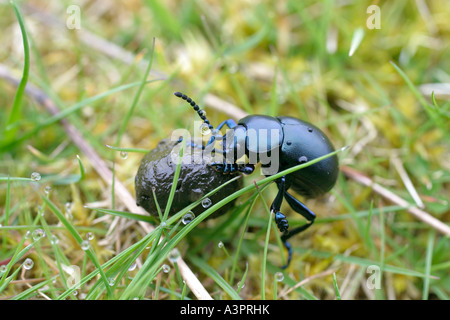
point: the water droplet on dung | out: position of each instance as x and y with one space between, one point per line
279 276
302 159
35 176
204 129
28 264
188 217
38 234
166 268
123 154
47 189
85 245
90 236
206 203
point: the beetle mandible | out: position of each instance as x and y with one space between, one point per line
294 142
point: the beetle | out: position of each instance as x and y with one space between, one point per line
287 142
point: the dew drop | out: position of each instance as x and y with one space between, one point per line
206 203
174 255
279 276
111 281
38 234
166 268
28 234
188 217
47 189
28 264
68 210
204 129
35 176
85 245
90 236
220 244
123 154
133 266
2 269
54 239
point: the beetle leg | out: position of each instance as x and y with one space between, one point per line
280 219
276 204
230 123
246 168
298 207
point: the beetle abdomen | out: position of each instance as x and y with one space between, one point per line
304 142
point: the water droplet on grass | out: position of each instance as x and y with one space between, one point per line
90 236
174 255
38 234
188 217
47 189
85 245
132 267
28 264
165 268
35 176
206 203
279 276
204 129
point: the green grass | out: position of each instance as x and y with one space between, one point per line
269 59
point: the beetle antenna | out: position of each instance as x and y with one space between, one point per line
194 105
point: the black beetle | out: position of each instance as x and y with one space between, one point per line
286 142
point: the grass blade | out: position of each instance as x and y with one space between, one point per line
209 271
79 239
10 128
